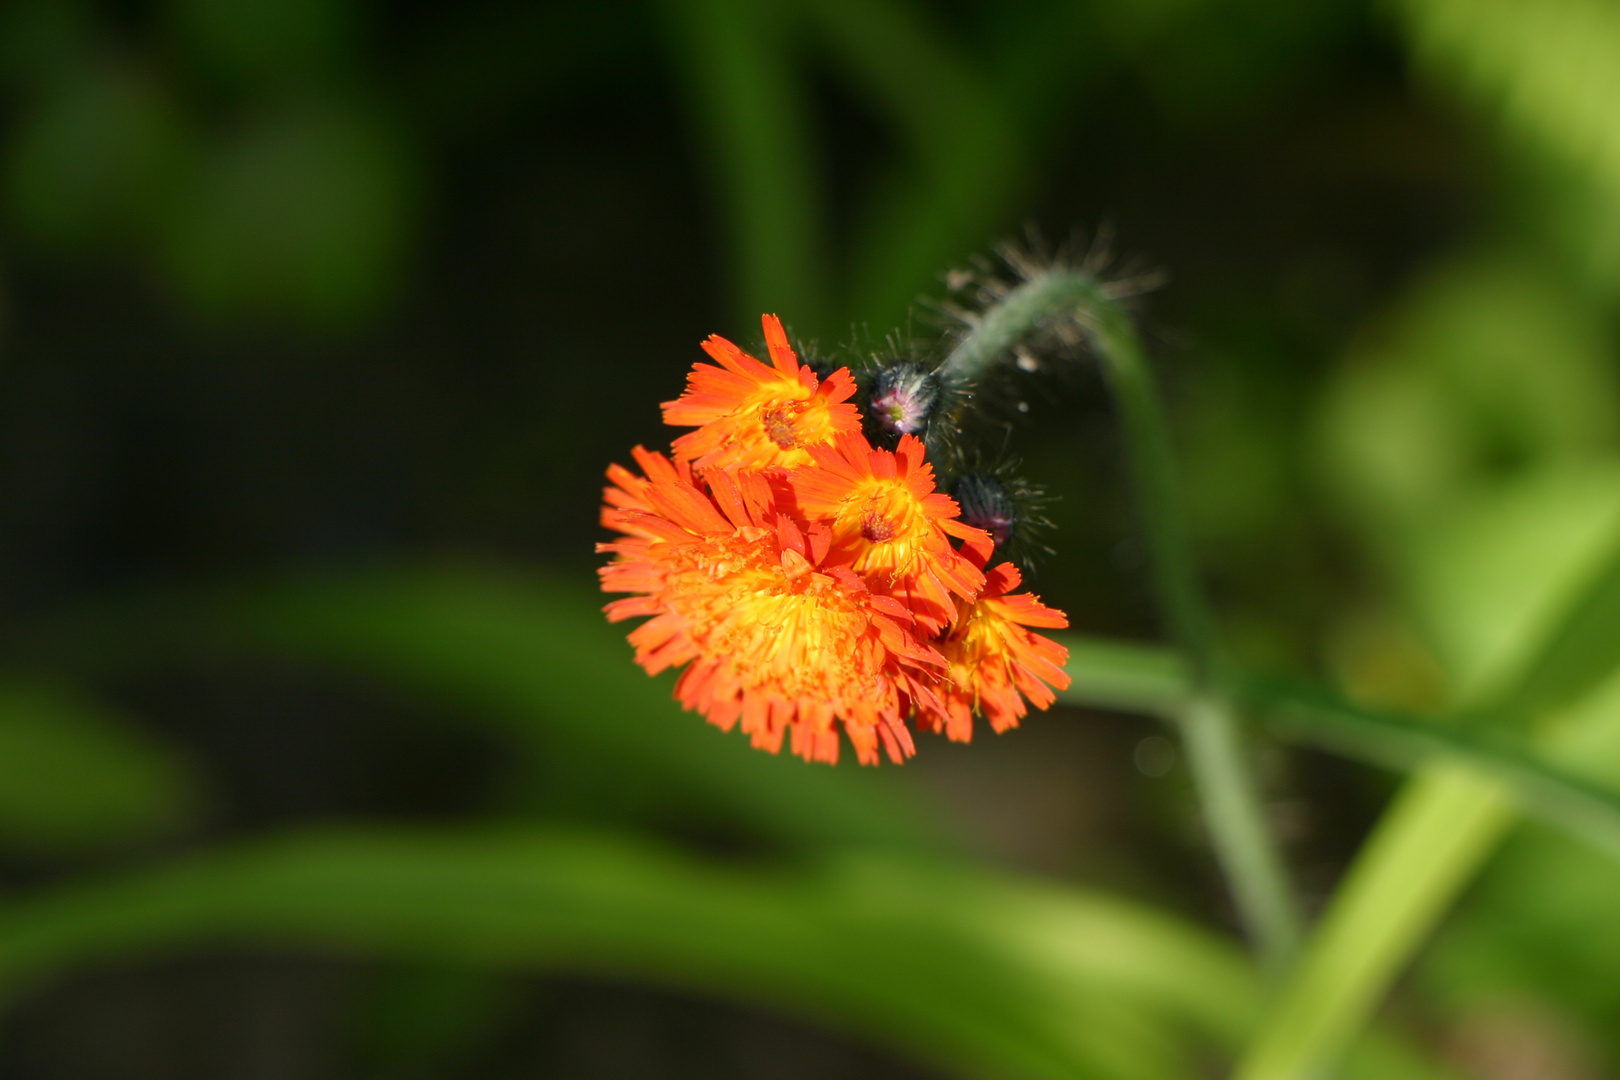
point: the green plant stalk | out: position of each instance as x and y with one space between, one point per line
1428 846
747 97
1247 852
1071 294
1238 830
1433 841
1151 680
1438 835
966 163
1466 790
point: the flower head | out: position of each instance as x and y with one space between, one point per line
773 635
995 661
805 582
750 415
889 523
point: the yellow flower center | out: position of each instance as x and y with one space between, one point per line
884 522
778 423
772 621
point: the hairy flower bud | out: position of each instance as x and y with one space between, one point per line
987 504
902 401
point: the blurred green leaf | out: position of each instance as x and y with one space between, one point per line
974 972
530 656
1446 822
1583 650
267 41
967 166
1486 371
303 214
1503 581
1152 680
1107 674
1548 76
74 775
1549 72
541 659
748 97
99 155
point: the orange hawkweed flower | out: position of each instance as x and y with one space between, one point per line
773 635
995 662
889 523
752 416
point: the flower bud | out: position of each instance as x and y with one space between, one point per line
987 504
903 400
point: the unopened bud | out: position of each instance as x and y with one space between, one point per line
986 504
903 397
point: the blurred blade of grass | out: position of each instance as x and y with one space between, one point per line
536 658
970 161
1582 651
74 775
1549 73
1044 58
748 99
1150 679
1109 674
533 657
975 972
1585 809
1447 821
1427 846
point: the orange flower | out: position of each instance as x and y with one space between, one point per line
889 523
993 657
774 636
752 416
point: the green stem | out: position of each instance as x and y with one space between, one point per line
1237 828
1232 809
746 97
1426 849
1071 294
1152 680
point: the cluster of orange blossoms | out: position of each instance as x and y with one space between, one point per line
807 579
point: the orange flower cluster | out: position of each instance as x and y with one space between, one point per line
805 579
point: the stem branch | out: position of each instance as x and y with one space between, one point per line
1232 809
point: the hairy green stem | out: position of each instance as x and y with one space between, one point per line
1232 809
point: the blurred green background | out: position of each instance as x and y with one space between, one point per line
320 319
